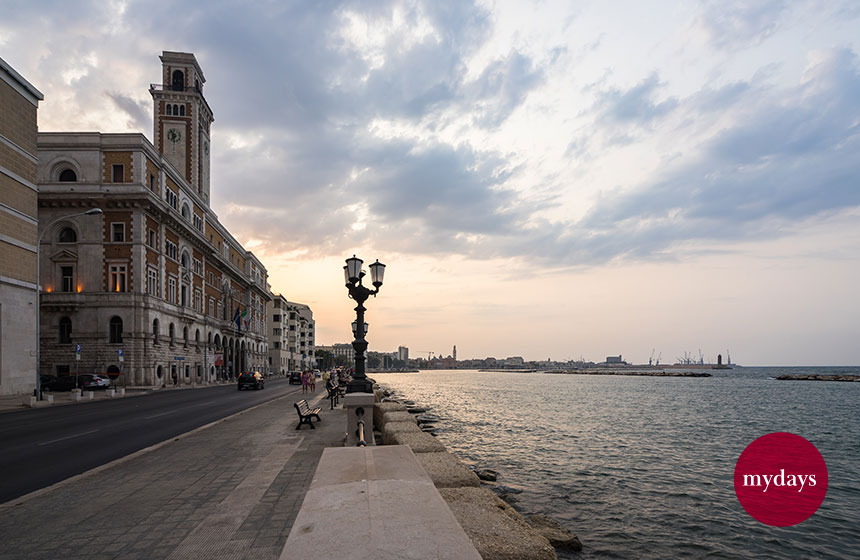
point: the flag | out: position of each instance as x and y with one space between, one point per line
236 319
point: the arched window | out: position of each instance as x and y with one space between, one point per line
172 332
197 338
67 235
185 336
182 110
175 110
178 81
186 213
68 176
115 330
169 109
155 332
65 330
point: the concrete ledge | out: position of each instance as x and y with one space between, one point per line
398 416
419 441
496 530
392 428
362 505
381 408
447 471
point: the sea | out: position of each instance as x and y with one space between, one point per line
642 467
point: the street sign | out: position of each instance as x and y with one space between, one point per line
179 357
77 352
121 357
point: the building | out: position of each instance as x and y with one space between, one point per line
292 341
156 290
403 353
19 101
346 350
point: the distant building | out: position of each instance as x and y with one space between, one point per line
615 360
402 353
346 350
19 101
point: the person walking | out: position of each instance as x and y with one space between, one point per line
312 381
305 381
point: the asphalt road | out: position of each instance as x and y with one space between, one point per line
43 446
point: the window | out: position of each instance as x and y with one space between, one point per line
65 330
276 318
198 222
68 176
277 345
198 301
117 233
152 281
170 249
212 307
67 276
185 212
153 239
67 235
276 332
182 110
152 183
169 109
155 333
178 80
198 267
175 109
171 289
277 304
185 336
115 330
117 173
220 310
171 197
117 278
211 277
172 332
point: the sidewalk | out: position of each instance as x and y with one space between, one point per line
227 491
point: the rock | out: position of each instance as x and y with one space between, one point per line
446 471
496 530
502 489
415 409
557 534
427 418
397 416
487 474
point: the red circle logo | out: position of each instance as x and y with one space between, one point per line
781 479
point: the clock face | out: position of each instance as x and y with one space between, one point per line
174 135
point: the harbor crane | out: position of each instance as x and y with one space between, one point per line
651 359
430 355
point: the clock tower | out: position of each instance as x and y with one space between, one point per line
182 119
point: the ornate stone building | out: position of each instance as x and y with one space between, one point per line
19 101
155 290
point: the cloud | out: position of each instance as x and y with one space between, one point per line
738 24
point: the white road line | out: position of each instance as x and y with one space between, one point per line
68 437
162 414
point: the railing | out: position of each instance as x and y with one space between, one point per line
359 431
171 87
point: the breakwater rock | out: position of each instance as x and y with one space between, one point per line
557 534
818 377
632 372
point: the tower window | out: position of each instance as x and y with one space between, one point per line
178 81
117 171
169 110
68 176
176 109
182 110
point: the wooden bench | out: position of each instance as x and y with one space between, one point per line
306 414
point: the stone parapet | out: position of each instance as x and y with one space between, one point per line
419 441
392 428
446 470
381 408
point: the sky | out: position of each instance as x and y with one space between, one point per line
551 180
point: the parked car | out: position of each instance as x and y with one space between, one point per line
251 379
45 378
295 378
84 381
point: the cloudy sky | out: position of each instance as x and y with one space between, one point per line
543 179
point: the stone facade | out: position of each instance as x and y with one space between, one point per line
154 291
19 102
291 336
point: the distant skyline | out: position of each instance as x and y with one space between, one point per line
543 179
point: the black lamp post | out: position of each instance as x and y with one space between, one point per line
352 275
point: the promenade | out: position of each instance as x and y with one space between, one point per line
229 490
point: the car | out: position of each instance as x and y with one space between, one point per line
251 379
84 381
295 378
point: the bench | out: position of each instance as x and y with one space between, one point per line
306 414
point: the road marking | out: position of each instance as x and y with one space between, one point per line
162 414
68 437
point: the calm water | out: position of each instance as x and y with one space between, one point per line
642 467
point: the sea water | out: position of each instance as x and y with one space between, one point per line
642 467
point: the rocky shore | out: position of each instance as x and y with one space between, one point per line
646 373
495 528
818 377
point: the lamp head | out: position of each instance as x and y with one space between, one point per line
353 269
377 271
93 211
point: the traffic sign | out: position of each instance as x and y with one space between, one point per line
121 357
77 352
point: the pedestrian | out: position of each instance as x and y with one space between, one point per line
175 380
305 381
312 381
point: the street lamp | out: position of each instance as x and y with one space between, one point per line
353 275
90 212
